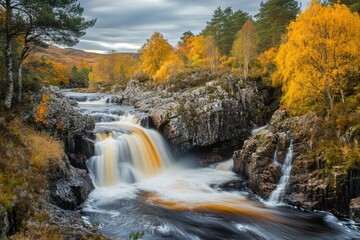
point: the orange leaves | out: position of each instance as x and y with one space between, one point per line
172 66
113 68
42 110
49 72
160 60
200 52
154 53
322 48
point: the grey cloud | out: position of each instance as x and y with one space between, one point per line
123 24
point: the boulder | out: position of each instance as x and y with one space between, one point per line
70 186
255 161
355 209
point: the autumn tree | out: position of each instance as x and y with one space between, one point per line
113 68
48 72
172 66
322 50
154 53
244 48
200 52
39 23
268 64
271 21
223 27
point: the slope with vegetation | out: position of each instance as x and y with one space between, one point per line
308 62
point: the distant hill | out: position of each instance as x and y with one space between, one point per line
68 56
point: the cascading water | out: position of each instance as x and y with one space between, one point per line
128 153
277 194
256 130
139 188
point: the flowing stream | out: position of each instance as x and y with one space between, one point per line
277 195
141 188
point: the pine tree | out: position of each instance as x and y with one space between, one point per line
272 20
354 5
38 23
223 27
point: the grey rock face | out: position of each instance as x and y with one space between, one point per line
355 209
218 114
62 119
255 162
70 186
4 223
308 187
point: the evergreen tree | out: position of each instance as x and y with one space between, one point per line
38 23
354 5
185 36
223 27
272 20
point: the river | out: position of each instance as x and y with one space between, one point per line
140 188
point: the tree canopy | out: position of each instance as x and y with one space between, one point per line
321 53
223 27
39 23
273 18
245 46
154 53
354 5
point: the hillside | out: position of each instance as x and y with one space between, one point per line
68 56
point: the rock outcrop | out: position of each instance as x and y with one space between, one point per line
64 122
218 114
355 209
70 186
310 187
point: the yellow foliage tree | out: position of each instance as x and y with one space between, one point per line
322 49
154 53
268 64
113 68
42 110
48 71
244 48
172 66
200 52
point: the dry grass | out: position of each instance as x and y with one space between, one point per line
44 149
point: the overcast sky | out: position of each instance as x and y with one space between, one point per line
124 25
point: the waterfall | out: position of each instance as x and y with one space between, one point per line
224 166
275 157
256 130
277 194
125 152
